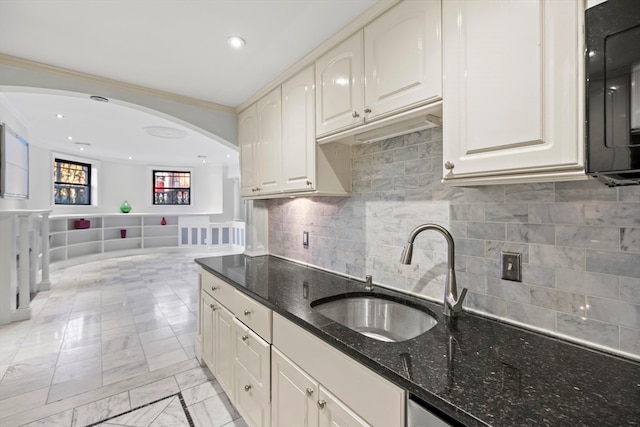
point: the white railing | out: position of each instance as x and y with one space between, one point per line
24 236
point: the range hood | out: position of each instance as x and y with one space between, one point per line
414 120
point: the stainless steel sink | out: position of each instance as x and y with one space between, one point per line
377 317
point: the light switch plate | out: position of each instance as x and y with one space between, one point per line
511 266
305 239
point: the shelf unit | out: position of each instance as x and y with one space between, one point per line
103 239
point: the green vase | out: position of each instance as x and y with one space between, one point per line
125 207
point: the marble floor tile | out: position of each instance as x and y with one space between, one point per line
74 387
166 359
23 402
154 391
101 409
213 412
143 416
193 377
72 371
62 419
77 354
155 334
109 333
123 372
165 345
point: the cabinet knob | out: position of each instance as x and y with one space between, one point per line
213 307
309 391
367 110
449 165
247 312
355 114
309 183
245 337
213 288
322 403
247 387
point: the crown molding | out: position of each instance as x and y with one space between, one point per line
25 64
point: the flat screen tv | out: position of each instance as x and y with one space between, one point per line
14 164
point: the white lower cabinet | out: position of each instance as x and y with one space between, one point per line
344 392
236 354
252 375
299 400
277 374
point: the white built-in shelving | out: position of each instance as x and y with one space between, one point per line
123 234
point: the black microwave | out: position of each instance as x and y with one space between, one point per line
612 59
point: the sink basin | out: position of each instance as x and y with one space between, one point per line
376 317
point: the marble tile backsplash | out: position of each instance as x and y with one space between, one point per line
580 241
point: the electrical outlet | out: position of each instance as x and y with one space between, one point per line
511 266
305 239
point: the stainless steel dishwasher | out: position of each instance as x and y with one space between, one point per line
419 415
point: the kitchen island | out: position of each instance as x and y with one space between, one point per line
472 370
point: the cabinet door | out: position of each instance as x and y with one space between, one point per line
207 328
403 58
339 87
333 413
248 144
224 352
513 80
269 141
294 394
298 133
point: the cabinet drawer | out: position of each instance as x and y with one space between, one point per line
251 399
217 288
253 314
372 397
253 353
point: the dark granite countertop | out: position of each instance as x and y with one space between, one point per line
475 370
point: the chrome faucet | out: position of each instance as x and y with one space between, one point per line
452 304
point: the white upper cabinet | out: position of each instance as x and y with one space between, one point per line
298 154
513 78
403 58
248 144
260 140
393 65
269 110
339 87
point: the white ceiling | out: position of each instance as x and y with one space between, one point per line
177 46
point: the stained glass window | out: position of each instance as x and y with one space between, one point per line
171 187
71 182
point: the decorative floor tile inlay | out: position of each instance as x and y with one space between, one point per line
171 409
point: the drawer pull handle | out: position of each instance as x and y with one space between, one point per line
213 307
247 387
245 337
322 403
309 391
355 115
247 312
367 110
213 288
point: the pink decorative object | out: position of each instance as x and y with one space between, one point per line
82 223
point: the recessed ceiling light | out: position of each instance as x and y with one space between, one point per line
99 98
236 42
60 116
165 132
130 158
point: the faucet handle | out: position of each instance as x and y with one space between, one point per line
368 285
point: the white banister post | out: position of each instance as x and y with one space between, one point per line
45 284
23 265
